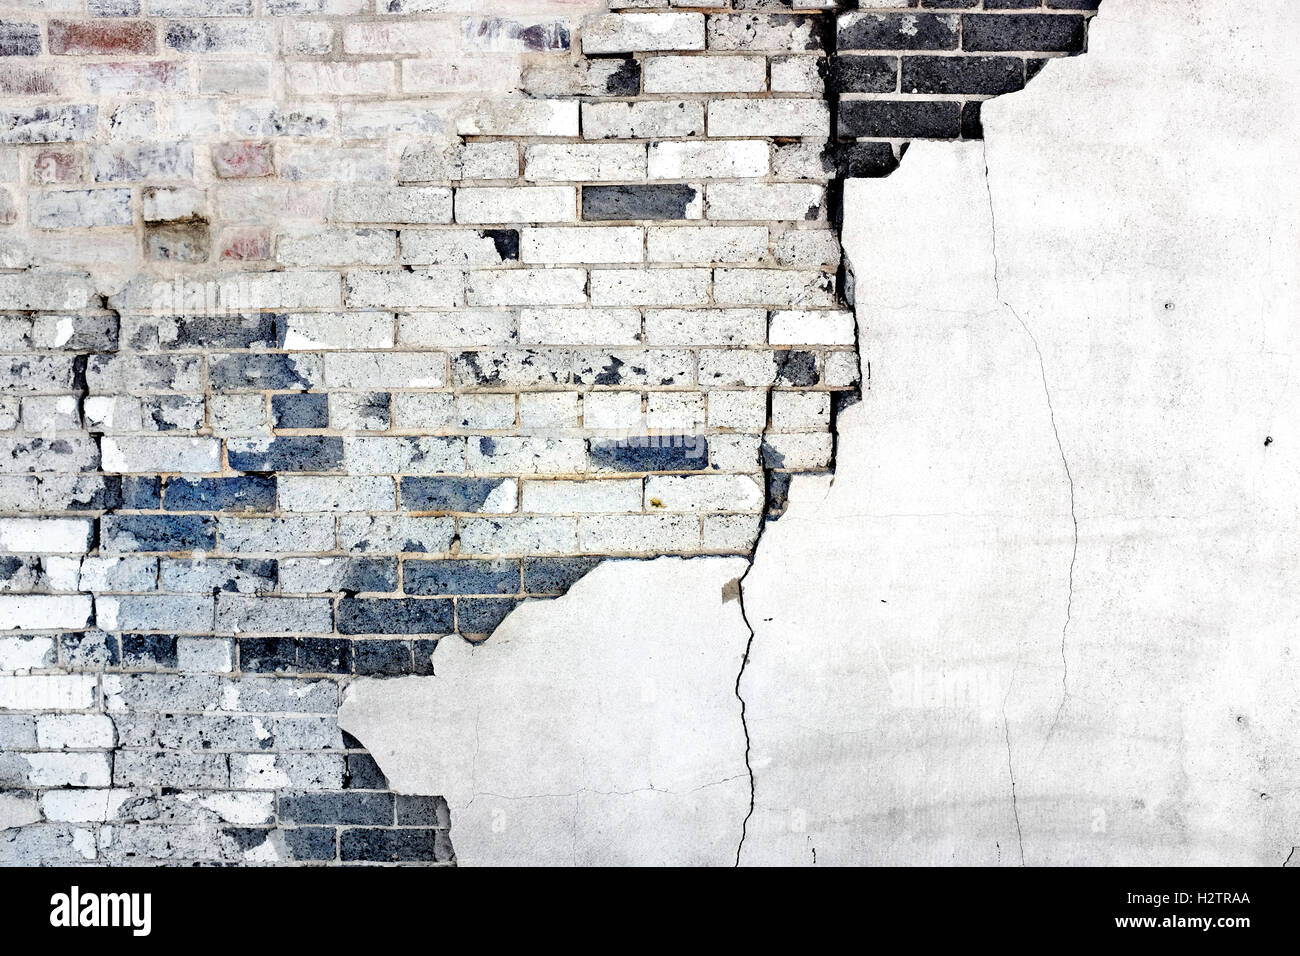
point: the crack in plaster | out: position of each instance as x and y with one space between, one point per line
1060 447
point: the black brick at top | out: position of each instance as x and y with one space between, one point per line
900 119
898 31
1012 32
963 74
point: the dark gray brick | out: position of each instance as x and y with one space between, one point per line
898 31
446 493
158 533
395 846
394 616
291 453
900 119
301 410
1039 32
651 453
354 807
460 577
246 493
668 201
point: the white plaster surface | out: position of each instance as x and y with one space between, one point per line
601 728
1046 611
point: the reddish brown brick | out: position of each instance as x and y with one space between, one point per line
242 245
58 166
102 37
242 160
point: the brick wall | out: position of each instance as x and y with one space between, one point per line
333 328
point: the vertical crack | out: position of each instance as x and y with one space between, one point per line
1060 449
1011 773
744 660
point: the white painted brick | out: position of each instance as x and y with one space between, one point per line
638 534
801 411
736 367
548 410
418 456
79 208
706 326
492 411
338 247
419 288
807 247
316 493
764 201
580 326
705 244
362 78
276 535
348 164
518 536
777 33
482 75
154 455
526 455
642 120
338 330
404 36
49 692
730 532
798 74
778 287
582 244
127 573
210 655
519 117
781 117
582 497
29 652
385 370
50 535
526 287
68 770
450 247
30 291
612 411
455 329
370 120
733 159
842 369
85 806
44 612
735 452
811 327
679 412
400 204
704 74
650 286
704 493
804 450
586 162
635 32
179 613
507 204
75 732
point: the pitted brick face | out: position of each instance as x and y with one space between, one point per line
329 330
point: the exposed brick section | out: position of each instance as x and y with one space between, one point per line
102 37
397 348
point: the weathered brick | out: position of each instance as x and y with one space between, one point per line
102 37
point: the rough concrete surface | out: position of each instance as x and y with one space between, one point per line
1044 611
